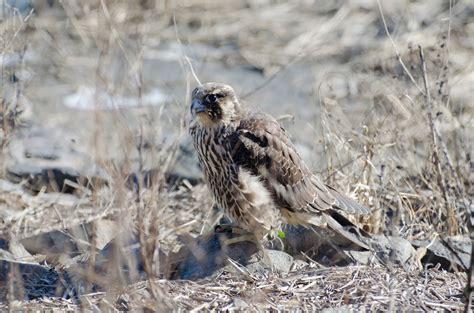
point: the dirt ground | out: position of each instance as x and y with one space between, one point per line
100 90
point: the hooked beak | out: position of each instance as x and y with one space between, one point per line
197 106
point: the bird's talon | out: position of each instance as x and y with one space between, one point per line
243 238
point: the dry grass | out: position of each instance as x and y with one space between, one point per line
309 289
387 117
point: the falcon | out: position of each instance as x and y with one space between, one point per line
253 170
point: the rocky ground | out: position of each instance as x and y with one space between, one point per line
97 161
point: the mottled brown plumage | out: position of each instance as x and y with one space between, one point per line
253 169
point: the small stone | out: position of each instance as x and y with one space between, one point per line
279 262
240 304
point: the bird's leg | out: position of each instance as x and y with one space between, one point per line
262 253
247 237
240 234
264 257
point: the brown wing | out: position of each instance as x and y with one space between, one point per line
262 146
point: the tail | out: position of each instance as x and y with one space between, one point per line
347 204
346 229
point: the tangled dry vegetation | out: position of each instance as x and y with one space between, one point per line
386 115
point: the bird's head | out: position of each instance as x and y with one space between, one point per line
214 104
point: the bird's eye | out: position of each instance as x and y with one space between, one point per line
211 98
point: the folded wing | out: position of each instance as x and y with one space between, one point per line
263 147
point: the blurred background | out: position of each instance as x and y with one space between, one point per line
96 93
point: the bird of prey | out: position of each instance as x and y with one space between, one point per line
253 170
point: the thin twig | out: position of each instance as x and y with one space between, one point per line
399 58
433 128
272 77
183 53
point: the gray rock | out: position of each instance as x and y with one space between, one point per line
53 179
280 261
394 250
61 245
449 252
274 260
240 304
203 255
320 244
34 281
361 257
